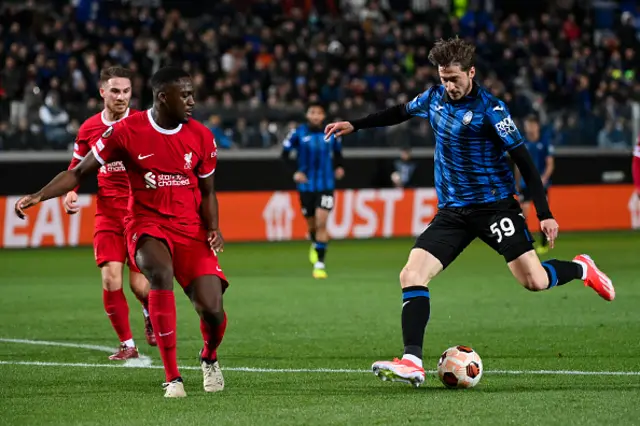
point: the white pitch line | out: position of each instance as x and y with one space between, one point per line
145 362
141 361
318 370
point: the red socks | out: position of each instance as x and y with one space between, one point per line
117 309
162 312
212 338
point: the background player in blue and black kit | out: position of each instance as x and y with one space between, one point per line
541 150
476 198
318 165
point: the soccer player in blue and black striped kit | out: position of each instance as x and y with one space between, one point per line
318 165
476 198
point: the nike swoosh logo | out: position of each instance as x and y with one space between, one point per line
142 157
498 108
438 108
165 334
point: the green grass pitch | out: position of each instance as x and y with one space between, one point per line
535 346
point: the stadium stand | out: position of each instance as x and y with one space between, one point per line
256 63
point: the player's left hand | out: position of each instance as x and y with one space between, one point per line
24 203
550 229
339 173
216 242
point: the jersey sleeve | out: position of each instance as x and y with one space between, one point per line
80 149
419 106
111 145
635 168
550 150
503 125
292 141
209 159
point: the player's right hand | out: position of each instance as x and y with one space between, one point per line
299 177
24 203
216 242
550 229
340 128
71 203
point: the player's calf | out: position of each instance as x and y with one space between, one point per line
420 268
117 309
321 242
205 293
537 276
140 288
154 260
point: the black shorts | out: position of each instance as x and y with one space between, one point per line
501 225
526 194
310 201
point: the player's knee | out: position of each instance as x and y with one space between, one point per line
535 281
111 277
160 277
212 314
411 278
138 283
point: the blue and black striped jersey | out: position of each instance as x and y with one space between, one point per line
472 138
314 157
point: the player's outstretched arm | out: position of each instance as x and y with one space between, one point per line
531 176
59 185
524 162
388 117
209 212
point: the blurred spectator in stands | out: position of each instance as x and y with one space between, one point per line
54 121
264 60
613 135
11 83
222 141
4 134
267 137
26 137
404 167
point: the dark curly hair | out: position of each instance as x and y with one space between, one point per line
454 51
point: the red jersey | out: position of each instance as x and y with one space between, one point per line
635 167
163 168
113 183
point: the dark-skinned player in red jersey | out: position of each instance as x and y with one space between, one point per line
173 228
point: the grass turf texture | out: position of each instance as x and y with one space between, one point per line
281 318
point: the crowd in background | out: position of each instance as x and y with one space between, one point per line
256 64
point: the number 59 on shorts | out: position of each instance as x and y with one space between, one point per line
503 228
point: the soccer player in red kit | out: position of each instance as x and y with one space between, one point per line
173 224
109 246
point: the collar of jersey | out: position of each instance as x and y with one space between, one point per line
475 88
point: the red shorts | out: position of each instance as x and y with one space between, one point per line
109 243
192 257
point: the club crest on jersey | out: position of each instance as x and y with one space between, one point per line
187 160
107 132
468 116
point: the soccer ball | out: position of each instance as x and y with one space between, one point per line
460 367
